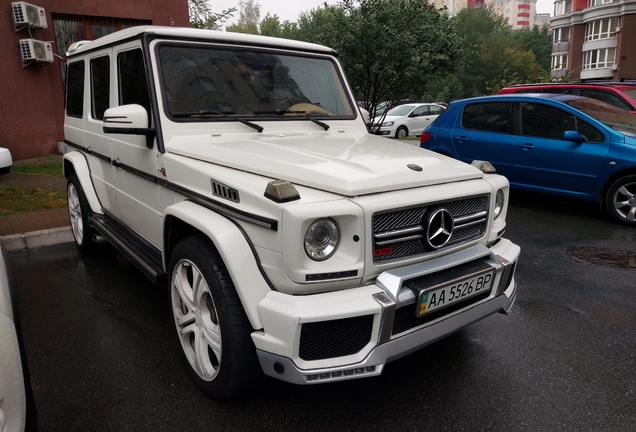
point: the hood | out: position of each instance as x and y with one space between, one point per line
346 163
389 118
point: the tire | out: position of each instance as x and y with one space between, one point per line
210 322
620 200
402 132
78 211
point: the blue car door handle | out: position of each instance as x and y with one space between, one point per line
461 138
527 146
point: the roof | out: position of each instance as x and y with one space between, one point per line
186 33
516 96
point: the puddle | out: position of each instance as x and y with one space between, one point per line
604 257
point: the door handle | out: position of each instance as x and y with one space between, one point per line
461 138
527 146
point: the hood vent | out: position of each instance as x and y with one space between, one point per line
223 191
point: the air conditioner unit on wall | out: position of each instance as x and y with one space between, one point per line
28 15
615 67
37 51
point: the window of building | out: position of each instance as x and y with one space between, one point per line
600 58
75 90
601 29
561 34
73 28
559 61
100 86
562 7
593 3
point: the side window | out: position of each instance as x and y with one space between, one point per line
435 110
75 89
489 116
560 91
544 121
421 111
133 87
606 97
592 134
100 86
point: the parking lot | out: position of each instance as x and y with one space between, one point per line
102 353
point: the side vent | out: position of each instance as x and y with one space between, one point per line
224 191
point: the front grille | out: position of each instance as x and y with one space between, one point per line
400 234
336 338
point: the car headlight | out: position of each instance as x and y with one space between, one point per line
321 239
386 124
499 203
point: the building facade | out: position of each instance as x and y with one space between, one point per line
520 13
32 97
592 39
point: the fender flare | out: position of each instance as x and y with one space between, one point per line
83 172
237 255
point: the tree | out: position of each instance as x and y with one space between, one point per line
249 18
388 47
497 56
201 16
539 41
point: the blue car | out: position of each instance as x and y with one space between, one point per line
559 144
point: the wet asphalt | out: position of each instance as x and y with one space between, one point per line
103 356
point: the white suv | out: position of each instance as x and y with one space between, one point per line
237 170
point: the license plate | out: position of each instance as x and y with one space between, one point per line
458 287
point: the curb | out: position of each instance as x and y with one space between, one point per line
36 239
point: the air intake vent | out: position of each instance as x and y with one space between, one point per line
224 191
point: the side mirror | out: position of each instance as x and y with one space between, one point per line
574 136
414 115
129 120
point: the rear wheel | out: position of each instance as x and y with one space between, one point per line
402 132
620 200
211 324
78 210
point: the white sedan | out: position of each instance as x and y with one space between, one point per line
409 119
5 160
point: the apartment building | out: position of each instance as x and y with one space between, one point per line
520 13
592 39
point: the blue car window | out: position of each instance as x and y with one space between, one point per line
592 134
544 121
488 116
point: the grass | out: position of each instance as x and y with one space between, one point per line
17 200
54 169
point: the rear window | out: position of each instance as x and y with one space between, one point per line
488 116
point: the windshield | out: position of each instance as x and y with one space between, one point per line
202 82
616 118
631 92
402 110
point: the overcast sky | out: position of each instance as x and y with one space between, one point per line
289 10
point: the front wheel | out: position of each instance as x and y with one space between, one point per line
78 209
402 132
211 324
620 200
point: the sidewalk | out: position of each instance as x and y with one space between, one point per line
40 228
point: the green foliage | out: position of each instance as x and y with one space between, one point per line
201 16
498 55
54 169
17 200
387 47
442 89
249 18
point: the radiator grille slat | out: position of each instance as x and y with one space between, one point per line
472 212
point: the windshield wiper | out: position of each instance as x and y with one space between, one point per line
225 114
325 126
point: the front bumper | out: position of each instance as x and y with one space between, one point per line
371 320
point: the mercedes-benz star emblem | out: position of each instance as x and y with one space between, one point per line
439 229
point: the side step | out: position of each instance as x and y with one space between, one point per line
142 254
